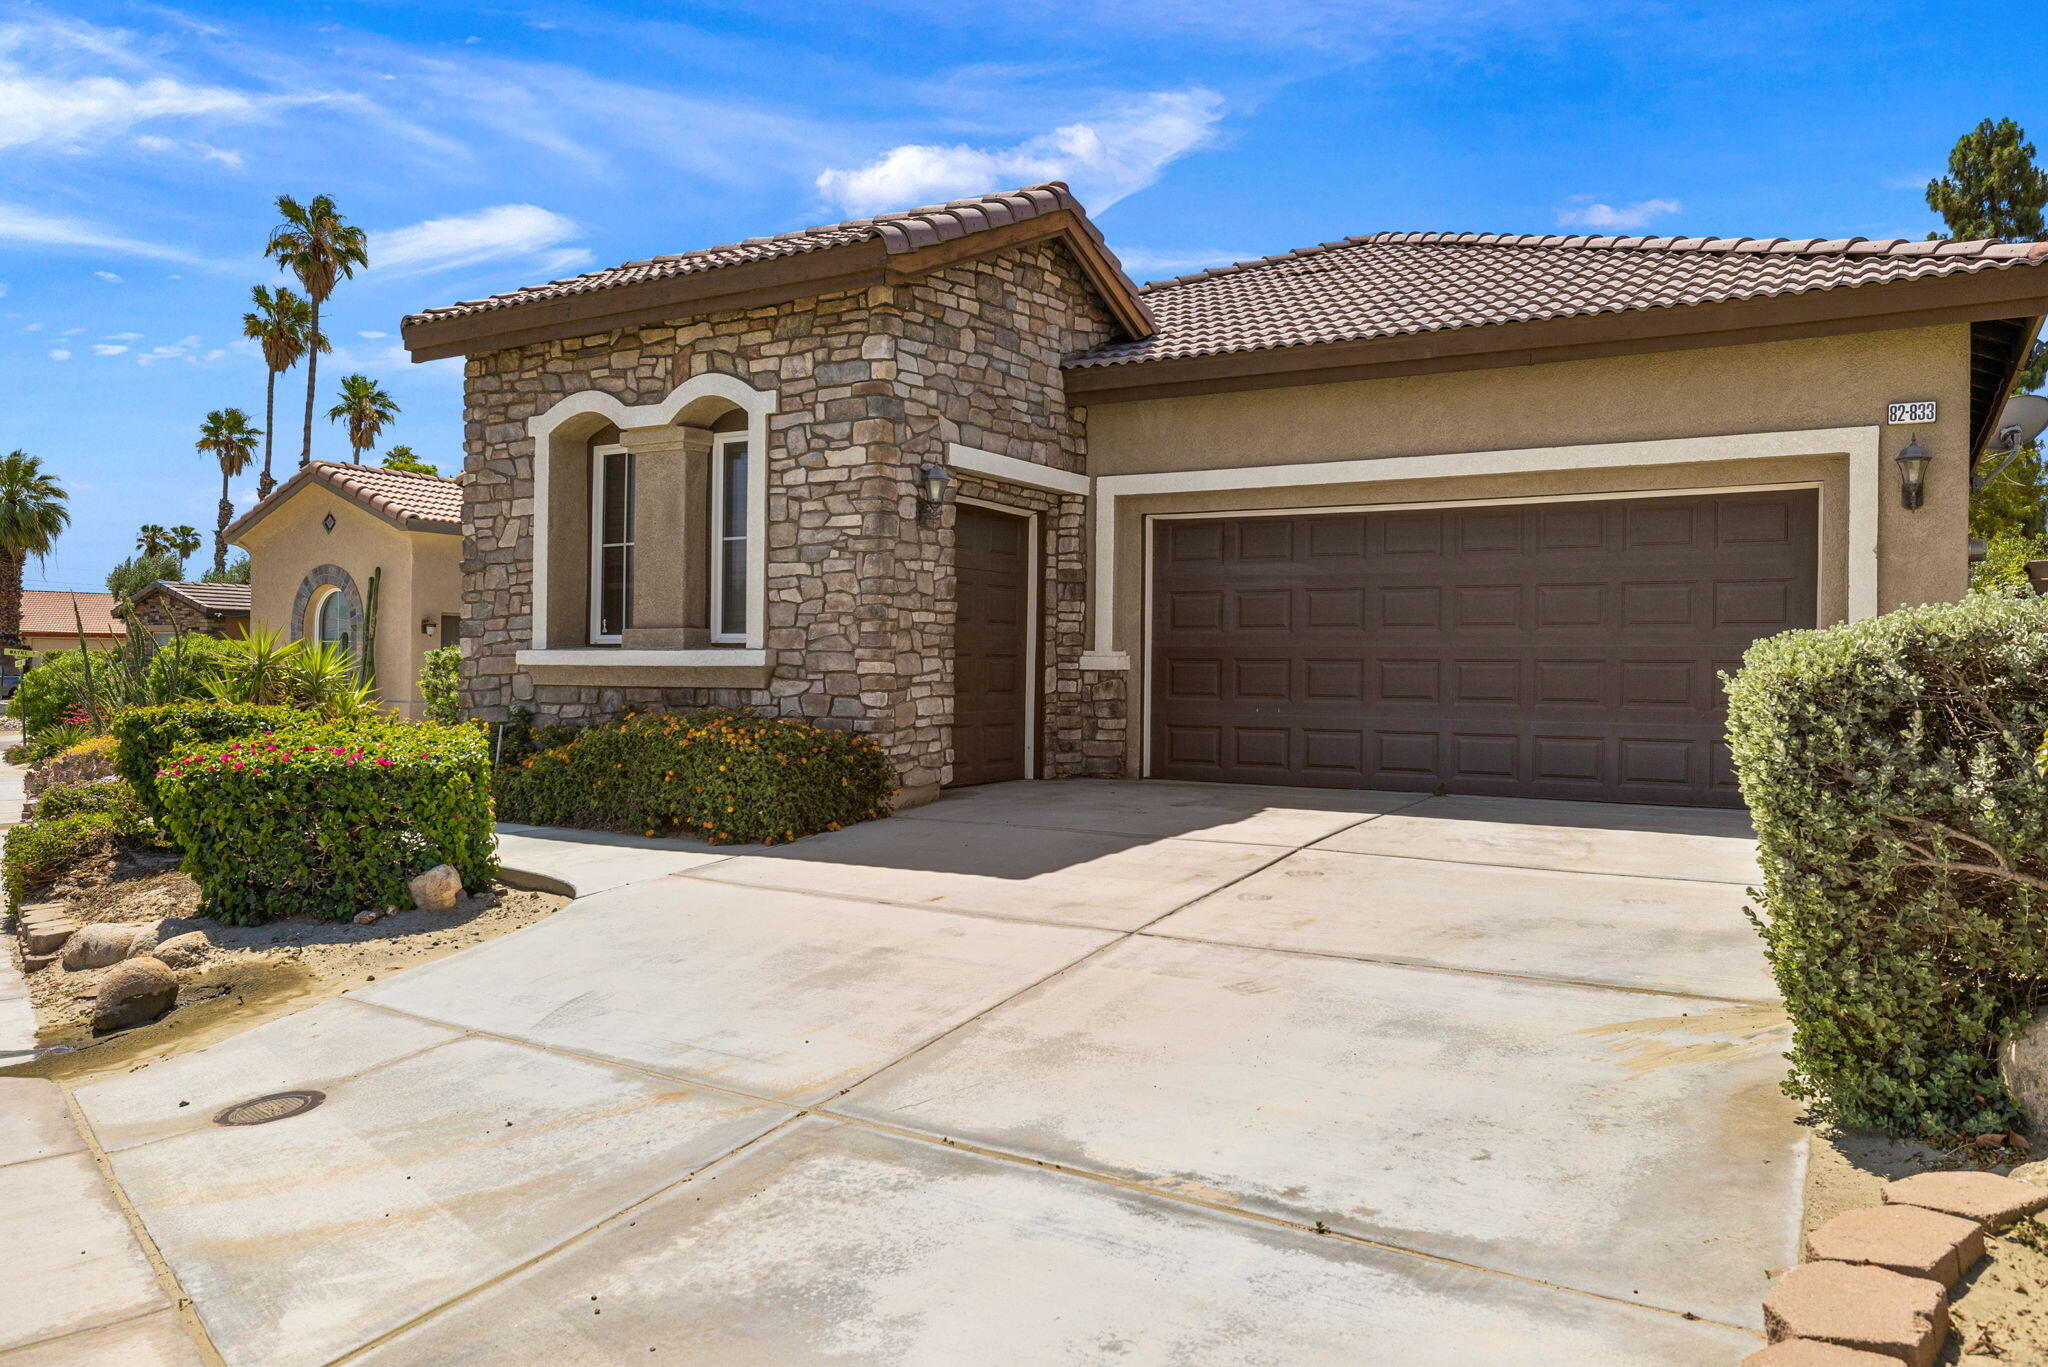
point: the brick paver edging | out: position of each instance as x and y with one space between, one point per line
1874 1289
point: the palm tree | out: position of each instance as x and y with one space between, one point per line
183 540
320 247
283 324
32 513
227 436
152 539
365 407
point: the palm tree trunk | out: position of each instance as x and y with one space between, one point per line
220 529
266 484
10 598
312 371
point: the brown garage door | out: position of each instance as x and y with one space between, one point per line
1538 650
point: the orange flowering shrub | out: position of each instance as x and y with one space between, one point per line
726 777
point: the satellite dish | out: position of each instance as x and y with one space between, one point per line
2027 412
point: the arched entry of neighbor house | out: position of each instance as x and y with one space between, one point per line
328 608
329 625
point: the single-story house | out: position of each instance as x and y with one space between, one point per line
1413 510
50 620
325 535
198 608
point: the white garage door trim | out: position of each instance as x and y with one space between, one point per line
1859 444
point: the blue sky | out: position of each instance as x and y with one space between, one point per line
487 146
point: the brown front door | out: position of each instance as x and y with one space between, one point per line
1537 650
992 641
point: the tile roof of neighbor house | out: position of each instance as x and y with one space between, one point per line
427 503
221 599
1396 284
48 612
905 231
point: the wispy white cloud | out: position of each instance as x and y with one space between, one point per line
32 227
67 87
1583 211
124 336
1144 263
1103 157
160 146
109 277
494 234
60 353
108 349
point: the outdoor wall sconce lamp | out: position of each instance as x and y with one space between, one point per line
427 626
1912 474
931 492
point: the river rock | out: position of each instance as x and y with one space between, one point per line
134 993
100 944
437 889
181 951
2023 1063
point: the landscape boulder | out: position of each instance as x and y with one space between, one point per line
181 951
134 993
100 944
2023 1064
438 889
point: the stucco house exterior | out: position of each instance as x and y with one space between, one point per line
1406 511
324 535
168 607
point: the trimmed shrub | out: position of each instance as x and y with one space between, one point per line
149 736
329 819
83 762
1902 819
725 777
440 684
54 685
109 796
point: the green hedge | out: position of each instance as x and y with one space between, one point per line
329 820
726 777
441 684
54 685
1890 767
149 736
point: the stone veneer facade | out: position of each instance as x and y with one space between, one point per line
872 385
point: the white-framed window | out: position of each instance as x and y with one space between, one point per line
730 490
330 620
612 471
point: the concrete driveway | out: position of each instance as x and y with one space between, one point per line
1040 1073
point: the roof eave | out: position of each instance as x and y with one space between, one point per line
243 525
2018 291
757 284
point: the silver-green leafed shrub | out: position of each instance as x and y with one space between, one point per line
1902 819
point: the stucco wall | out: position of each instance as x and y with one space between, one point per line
1826 382
421 579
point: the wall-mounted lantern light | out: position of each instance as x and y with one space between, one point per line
428 626
931 487
1912 474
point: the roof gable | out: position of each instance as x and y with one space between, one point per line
787 265
216 600
417 503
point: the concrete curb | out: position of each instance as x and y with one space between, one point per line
1875 1287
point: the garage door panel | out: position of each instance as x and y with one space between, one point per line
1560 650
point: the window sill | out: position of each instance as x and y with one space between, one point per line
712 668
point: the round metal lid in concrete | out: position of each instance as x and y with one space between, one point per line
262 1110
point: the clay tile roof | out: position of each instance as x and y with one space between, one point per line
425 503
231 599
48 612
905 231
1394 284
398 494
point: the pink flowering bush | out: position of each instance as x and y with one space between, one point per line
329 820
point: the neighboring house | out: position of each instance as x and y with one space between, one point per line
165 608
1405 511
50 620
321 538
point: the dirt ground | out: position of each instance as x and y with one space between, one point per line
2000 1309
251 973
